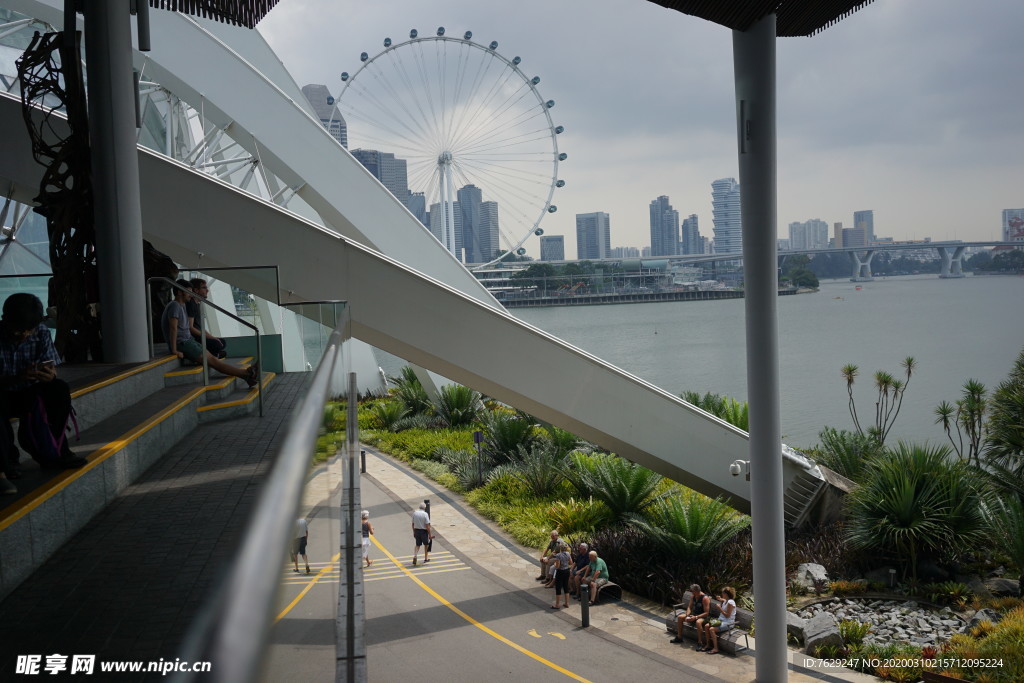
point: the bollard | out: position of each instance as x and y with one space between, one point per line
362 460
585 604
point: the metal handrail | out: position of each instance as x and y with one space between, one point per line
233 631
202 329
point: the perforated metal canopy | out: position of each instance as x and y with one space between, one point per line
793 17
246 13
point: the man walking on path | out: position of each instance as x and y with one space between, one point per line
422 533
301 537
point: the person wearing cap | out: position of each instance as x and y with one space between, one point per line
28 384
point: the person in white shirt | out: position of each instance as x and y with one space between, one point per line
422 533
725 622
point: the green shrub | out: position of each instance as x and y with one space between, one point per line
853 632
457 405
539 468
847 453
421 443
504 433
574 516
624 487
387 413
841 588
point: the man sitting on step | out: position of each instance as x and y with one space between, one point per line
30 391
177 327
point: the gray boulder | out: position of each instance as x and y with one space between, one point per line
809 572
821 631
982 615
795 626
1001 587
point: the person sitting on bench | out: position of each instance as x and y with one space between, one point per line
725 622
597 577
31 391
698 609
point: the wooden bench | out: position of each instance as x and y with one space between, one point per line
732 641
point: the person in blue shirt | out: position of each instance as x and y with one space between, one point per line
28 384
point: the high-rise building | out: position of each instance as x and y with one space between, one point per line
837 234
488 232
1013 225
552 247
854 237
725 211
865 220
453 242
593 235
469 198
812 234
691 240
327 111
664 228
625 252
418 206
390 171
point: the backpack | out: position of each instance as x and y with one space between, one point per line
36 436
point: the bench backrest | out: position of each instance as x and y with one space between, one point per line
744 618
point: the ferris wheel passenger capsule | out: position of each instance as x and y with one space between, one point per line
516 60
560 183
344 75
387 42
521 251
535 80
563 156
363 57
440 30
552 208
549 104
468 35
559 130
538 231
493 46
413 33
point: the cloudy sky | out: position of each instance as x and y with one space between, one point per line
912 108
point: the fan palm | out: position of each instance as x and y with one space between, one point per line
916 499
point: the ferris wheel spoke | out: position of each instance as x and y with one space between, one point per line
497 124
483 117
394 107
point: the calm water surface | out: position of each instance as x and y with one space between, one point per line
956 329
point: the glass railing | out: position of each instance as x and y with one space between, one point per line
316 321
234 631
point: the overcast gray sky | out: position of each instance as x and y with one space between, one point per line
912 108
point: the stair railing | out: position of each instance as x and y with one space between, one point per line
202 329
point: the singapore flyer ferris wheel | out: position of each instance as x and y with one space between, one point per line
469 131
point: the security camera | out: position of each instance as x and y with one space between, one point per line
735 469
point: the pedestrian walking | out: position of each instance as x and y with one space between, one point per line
301 538
367 532
421 533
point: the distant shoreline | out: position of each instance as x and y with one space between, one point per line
634 298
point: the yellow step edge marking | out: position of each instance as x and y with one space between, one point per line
302 593
248 398
23 506
199 368
474 622
120 376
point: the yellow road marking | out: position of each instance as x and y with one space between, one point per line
295 581
474 622
556 635
533 632
305 590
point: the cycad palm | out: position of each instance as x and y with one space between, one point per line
624 487
458 405
691 525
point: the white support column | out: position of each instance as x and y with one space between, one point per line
951 263
115 168
754 63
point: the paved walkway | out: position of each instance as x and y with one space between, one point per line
634 623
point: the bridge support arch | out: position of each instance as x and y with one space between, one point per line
951 263
861 266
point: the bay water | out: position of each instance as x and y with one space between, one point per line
956 329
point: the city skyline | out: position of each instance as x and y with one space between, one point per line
910 108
